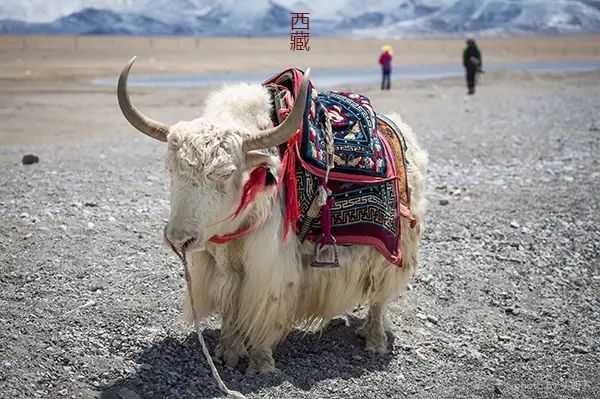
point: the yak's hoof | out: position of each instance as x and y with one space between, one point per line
261 362
361 332
229 356
377 343
377 348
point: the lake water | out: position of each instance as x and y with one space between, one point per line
336 77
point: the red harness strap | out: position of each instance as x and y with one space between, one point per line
229 237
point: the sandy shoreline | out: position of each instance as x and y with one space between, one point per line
46 92
81 58
43 112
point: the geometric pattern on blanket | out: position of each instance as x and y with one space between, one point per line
357 149
368 181
364 213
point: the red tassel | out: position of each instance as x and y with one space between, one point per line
287 172
254 185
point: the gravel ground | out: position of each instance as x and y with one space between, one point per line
506 303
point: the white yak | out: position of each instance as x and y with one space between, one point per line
259 285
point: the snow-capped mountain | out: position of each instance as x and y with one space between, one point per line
498 17
362 18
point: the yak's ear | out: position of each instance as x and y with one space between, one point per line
256 158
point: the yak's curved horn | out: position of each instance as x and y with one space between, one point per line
280 134
152 128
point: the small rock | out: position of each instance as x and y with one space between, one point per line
63 227
512 310
29 159
24 215
582 349
111 219
525 230
90 225
90 204
420 355
504 338
568 179
444 201
421 316
497 390
474 354
126 393
514 224
526 356
357 357
432 319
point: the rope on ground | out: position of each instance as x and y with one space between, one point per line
230 393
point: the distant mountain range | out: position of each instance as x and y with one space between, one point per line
359 18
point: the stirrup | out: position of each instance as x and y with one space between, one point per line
320 249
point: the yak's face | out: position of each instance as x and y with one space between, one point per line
208 168
209 162
206 164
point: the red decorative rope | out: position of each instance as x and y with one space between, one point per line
229 237
287 173
255 184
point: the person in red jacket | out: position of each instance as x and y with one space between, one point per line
386 66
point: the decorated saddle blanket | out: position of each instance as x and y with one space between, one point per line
367 178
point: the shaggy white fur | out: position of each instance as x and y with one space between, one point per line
261 287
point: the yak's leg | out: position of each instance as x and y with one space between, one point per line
362 330
261 360
225 289
231 346
386 283
373 330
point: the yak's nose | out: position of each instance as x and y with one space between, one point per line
180 239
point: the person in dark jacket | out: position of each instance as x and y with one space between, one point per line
472 62
386 67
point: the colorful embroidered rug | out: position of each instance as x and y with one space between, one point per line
357 147
368 180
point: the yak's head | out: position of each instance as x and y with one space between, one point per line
210 165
